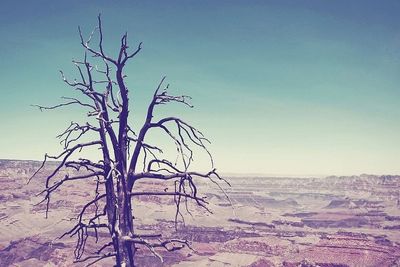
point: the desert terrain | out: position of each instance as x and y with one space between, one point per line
267 221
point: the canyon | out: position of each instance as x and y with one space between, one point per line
265 221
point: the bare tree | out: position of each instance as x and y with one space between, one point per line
126 157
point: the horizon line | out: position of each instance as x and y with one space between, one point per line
252 174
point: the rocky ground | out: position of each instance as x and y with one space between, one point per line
333 221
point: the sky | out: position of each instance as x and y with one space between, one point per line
299 88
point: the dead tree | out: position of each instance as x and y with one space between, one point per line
126 157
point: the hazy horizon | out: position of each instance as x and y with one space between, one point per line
256 175
279 87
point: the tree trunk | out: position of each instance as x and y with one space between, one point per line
120 219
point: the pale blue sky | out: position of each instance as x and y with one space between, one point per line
280 87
